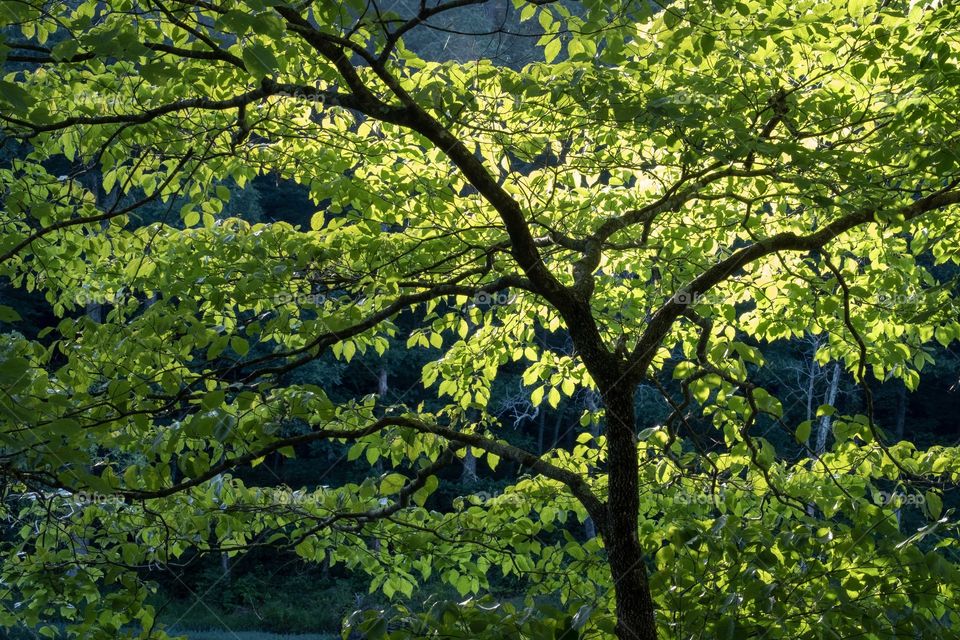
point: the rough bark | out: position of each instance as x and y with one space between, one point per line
634 603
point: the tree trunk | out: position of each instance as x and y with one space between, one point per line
812 381
469 475
541 425
556 426
634 604
589 528
225 567
902 401
591 400
383 387
825 421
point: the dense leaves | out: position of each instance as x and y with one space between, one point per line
674 190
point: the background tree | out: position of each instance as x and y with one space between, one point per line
664 191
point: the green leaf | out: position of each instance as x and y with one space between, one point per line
8 314
934 504
727 628
430 485
671 17
377 630
15 95
239 345
348 350
259 60
825 410
707 42
213 399
537 396
552 49
553 397
392 484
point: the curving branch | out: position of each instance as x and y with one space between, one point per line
101 217
662 321
675 197
524 248
577 485
267 88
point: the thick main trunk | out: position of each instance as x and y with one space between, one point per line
634 604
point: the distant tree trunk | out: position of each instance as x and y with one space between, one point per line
496 13
811 383
95 311
469 475
541 424
589 526
325 566
813 372
557 436
900 423
902 402
824 427
383 387
94 308
225 567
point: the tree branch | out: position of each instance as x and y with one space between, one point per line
577 485
662 321
108 215
574 308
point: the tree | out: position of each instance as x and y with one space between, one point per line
672 190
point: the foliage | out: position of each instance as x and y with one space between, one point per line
242 635
669 191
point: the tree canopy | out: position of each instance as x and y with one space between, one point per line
674 188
